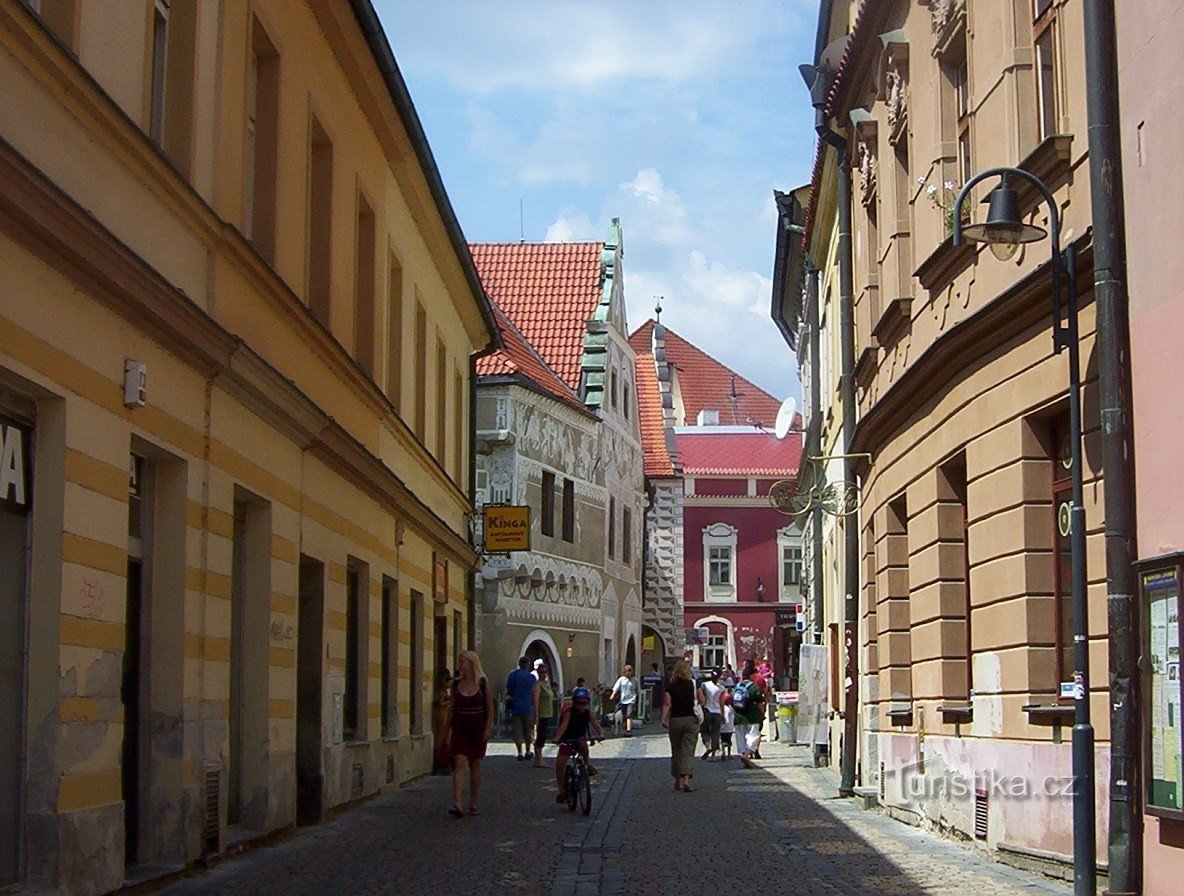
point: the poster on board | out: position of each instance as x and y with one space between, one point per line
1161 593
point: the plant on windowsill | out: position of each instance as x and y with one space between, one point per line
942 199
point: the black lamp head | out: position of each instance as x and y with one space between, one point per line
1004 229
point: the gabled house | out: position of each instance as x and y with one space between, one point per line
558 430
724 567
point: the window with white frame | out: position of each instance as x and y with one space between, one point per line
714 652
789 547
719 562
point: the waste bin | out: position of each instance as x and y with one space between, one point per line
787 723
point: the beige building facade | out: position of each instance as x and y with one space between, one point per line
236 323
965 639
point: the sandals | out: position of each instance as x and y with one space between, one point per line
472 810
456 812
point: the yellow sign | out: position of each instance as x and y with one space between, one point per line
507 528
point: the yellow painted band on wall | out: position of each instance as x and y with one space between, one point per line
85 791
205 647
281 709
94 554
281 657
95 475
77 632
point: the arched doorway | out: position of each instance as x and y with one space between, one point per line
653 650
631 653
538 645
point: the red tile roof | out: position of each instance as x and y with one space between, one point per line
658 463
706 384
548 290
517 357
738 454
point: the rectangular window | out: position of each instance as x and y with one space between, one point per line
320 221
357 636
1044 45
60 16
955 104
394 332
416 671
719 565
715 652
262 161
390 657
612 392
569 510
421 371
956 529
160 55
441 401
547 504
461 425
625 398
170 88
626 536
612 527
791 564
364 287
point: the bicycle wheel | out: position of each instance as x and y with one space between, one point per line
585 793
572 780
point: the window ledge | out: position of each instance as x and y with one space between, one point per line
957 710
893 319
865 366
900 716
1048 713
945 263
1049 161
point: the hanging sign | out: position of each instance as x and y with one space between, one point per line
16 479
507 528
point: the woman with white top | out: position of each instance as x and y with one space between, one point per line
712 715
625 693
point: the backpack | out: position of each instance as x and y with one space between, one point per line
741 697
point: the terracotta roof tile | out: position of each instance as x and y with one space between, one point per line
738 454
517 357
653 430
706 384
548 290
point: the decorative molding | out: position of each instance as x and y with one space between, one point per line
896 82
895 316
945 263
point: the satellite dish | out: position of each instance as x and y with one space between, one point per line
785 417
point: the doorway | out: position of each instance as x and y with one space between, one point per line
133 689
309 692
440 644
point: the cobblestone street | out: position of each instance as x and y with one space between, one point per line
776 829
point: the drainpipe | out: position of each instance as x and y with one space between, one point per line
819 81
850 523
1114 386
814 444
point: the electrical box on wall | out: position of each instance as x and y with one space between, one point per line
135 383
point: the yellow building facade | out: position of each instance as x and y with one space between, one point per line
237 318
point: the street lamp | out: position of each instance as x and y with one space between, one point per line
1004 231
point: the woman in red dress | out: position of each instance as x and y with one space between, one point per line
472 726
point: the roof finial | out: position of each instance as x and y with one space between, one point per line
658 309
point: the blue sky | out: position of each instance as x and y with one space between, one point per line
680 118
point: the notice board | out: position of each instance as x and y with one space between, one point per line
1160 589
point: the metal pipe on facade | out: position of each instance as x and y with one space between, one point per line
850 523
1114 385
814 445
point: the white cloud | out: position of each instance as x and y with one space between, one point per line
571 227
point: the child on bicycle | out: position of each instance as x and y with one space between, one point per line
574 722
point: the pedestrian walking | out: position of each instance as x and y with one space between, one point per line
441 724
748 703
682 723
472 726
625 693
520 689
544 709
729 676
712 715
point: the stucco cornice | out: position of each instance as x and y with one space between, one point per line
963 346
34 213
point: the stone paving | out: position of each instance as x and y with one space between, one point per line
779 828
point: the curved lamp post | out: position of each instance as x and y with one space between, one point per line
1003 231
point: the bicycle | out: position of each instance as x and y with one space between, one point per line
576 781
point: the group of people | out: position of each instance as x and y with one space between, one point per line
715 709
720 706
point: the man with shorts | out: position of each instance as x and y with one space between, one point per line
625 693
574 725
520 690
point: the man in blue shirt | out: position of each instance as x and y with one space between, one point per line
520 689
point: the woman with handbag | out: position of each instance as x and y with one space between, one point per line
681 717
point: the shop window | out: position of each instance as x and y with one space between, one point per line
1062 501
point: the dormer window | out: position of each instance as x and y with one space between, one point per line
708 417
